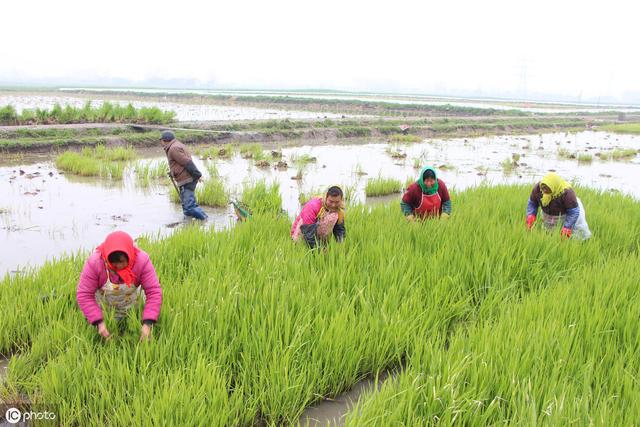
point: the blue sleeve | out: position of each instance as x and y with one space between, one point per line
446 207
571 217
406 208
532 208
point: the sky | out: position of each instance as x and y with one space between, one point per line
543 49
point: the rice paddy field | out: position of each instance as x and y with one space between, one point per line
470 321
482 321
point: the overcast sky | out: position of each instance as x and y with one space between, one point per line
576 49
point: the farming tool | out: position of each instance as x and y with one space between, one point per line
173 181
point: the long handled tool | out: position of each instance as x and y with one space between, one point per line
173 181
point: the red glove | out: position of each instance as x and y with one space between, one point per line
566 232
530 220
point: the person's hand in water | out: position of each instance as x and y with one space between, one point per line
410 218
103 331
145 333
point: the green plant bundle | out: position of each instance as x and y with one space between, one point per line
97 161
106 113
382 186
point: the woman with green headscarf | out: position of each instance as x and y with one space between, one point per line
559 204
428 197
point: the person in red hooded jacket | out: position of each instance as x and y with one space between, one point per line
113 277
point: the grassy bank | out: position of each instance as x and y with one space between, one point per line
503 326
282 130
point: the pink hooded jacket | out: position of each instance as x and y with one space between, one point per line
94 276
309 213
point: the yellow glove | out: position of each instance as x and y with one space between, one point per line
444 215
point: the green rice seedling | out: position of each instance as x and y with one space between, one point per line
115 154
212 169
261 328
585 157
113 170
382 186
149 171
395 152
251 151
212 192
508 165
410 180
215 152
618 154
405 138
299 176
209 192
302 160
564 153
106 113
359 170
27 116
305 196
96 161
262 198
77 164
8 115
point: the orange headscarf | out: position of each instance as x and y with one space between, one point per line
120 241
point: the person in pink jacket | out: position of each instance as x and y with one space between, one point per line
113 277
320 218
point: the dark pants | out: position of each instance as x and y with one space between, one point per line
190 207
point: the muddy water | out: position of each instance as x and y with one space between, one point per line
331 412
44 213
184 112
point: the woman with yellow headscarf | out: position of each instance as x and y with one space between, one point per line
559 204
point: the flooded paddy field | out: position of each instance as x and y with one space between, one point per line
46 212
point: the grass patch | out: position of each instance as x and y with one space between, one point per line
97 161
382 186
150 171
209 192
585 157
262 198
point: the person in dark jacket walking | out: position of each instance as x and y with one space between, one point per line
185 174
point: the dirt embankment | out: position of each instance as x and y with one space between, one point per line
48 138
